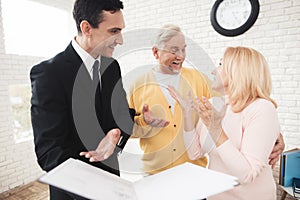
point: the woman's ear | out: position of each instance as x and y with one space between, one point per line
155 52
85 28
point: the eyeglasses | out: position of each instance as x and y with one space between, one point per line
175 51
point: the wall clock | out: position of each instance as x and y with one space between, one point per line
234 17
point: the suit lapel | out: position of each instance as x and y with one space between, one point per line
82 78
83 91
85 114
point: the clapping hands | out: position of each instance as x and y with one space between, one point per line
210 116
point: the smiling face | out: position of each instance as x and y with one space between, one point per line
172 54
108 35
220 81
103 39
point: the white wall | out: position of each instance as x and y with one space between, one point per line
276 34
18 164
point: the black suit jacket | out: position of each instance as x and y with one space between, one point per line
64 117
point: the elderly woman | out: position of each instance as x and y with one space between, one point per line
238 136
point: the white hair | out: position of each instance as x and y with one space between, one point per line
166 33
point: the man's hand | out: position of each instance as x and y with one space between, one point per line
151 119
186 103
105 148
277 150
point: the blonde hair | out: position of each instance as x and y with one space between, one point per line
248 77
166 33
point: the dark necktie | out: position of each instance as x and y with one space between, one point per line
96 87
96 73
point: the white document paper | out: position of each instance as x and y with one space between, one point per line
186 181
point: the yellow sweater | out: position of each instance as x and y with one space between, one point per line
164 147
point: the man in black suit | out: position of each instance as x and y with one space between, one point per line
78 98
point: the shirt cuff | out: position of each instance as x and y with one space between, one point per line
140 120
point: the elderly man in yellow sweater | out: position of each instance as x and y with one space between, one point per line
159 123
159 120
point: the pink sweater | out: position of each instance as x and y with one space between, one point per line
252 134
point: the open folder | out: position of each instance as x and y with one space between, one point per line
186 181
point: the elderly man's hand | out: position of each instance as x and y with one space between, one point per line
277 150
151 119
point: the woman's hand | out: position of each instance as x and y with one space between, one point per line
211 117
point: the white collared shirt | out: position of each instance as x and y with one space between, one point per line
87 59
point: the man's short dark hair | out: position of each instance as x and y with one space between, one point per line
91 11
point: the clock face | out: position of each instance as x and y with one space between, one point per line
232 14
233 17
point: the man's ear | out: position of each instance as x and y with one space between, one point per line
85 28
155 52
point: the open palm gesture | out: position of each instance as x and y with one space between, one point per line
186 103
105 148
